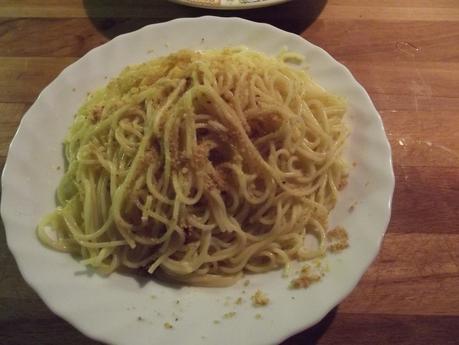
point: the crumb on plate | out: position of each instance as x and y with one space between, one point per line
259 299
338 239
305 279
229 315
343 183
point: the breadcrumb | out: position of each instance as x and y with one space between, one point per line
259 299
305 279
96 113
229 315
337 247
343 183
258 316
167 325
239 301
338 239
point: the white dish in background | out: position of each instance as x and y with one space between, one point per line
108 309
229 4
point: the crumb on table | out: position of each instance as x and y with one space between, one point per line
167 325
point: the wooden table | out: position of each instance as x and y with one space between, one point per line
405 53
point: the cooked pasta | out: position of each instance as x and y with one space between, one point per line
200 166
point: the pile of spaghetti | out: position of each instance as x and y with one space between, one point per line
200 166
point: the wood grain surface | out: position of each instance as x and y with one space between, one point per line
404 52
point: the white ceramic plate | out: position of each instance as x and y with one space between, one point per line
229 4
121 309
